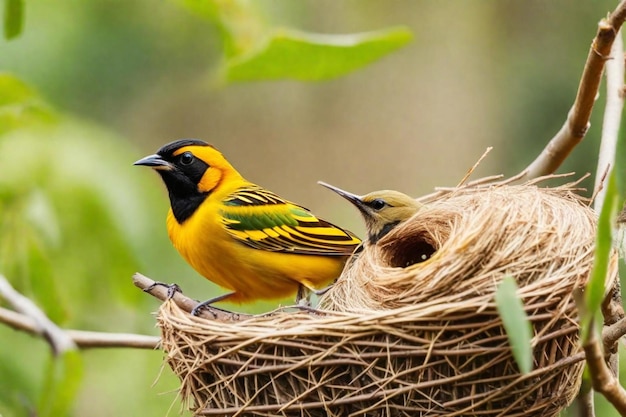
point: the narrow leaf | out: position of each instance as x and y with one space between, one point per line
516 324
594 292
291 54
61 384
13 18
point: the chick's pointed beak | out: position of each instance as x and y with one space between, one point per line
155 162
353 198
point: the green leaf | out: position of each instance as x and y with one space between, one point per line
594 292
292 54
62 381
516 324
13 18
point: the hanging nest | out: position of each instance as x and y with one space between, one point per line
411 326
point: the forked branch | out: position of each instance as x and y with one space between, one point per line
31 319
602 378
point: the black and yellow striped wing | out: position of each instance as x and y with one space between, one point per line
260 219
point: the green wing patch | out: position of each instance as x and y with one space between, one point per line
262 220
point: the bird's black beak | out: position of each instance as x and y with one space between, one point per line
155 162
353 198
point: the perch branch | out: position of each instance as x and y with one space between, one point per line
58 340
82 339
161 292
577 123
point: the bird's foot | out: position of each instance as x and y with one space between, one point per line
303 296
171 288
203 305
309 309
323 291
303 302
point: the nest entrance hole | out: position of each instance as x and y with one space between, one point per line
415 243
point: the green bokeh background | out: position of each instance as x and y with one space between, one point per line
90 86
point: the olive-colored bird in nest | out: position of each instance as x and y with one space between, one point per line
240 235
382 210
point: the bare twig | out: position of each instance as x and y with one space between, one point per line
600 180
614 319
58 340
577 123
613 333
612 117
184 302
612 312
83 339
473 168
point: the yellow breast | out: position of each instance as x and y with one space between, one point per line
252 273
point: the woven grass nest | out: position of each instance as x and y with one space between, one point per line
411 327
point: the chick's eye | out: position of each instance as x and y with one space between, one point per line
378 204
186 158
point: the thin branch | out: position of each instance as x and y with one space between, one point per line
602 379
473 168
160 291
612 117
577 123
612 312
58 340
613 333
83 339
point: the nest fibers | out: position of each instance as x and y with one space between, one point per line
411 327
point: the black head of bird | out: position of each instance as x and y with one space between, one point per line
382 210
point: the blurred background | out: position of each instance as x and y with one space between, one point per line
89 87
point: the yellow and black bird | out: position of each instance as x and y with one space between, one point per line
240 235
382 210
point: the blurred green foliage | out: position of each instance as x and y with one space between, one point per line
75 223
76 219
62 380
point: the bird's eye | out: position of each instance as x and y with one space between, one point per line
378 204
186 158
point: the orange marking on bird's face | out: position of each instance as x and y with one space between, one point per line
219 167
